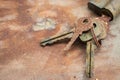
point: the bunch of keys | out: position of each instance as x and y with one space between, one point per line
89 30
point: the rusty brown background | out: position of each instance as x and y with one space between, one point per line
22 58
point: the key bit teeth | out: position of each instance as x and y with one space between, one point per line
66 48
43 45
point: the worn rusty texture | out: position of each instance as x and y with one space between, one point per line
22 58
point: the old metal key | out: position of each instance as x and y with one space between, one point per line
89 59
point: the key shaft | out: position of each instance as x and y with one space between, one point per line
56 38
89 59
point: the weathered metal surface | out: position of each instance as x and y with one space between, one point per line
114 7
100 3
109 8
22 58
44 24
97 6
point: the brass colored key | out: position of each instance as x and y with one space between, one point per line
56 38
89 58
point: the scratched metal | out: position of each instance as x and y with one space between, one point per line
22 58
